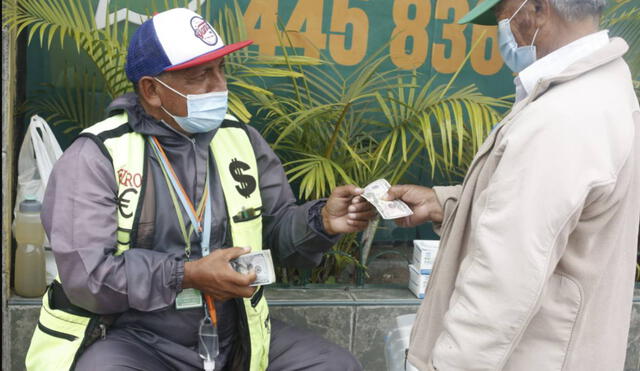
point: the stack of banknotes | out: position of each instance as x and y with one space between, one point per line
260 262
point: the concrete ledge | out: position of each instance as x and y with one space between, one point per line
357 319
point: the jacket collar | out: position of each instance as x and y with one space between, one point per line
614 49
558 60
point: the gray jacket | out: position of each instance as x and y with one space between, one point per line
79 216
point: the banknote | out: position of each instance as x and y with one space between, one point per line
261 262
387 209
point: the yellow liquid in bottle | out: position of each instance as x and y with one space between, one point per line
30 267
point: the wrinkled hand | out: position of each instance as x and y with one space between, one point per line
421 200
214 276
346 211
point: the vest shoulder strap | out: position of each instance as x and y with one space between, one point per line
113 127
126 151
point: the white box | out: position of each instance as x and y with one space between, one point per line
424 255
417 282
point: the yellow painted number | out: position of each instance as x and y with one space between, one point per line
479 61
410 29
341 17
454 33
261 19
305 27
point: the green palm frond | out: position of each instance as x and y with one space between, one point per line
59 19
71 105
107 48
451 125
331 129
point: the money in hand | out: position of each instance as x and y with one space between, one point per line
387 209
260 262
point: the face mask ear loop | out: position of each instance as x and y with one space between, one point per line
514 14
534 35
170 88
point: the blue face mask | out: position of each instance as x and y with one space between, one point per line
205 112
515 57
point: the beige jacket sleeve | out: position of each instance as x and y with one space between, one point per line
447 198
519 231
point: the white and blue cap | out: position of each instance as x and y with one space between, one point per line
173 40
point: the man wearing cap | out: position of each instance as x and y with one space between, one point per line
535 269
142 212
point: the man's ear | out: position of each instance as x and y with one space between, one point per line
148 91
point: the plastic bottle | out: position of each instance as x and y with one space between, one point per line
29 233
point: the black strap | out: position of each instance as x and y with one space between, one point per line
59 300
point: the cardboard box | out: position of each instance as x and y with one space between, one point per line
424 255
417 282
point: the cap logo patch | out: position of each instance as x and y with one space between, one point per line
203 31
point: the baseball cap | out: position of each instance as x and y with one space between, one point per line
481 14
173 40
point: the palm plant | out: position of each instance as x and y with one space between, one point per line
331 129
107 48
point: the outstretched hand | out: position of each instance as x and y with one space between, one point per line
421 200
346 211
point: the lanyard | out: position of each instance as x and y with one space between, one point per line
195 215
208 331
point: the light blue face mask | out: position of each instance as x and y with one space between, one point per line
205 112
515 57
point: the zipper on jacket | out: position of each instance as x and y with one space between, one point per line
55 333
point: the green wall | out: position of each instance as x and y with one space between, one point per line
419 34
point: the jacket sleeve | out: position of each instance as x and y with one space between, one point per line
294 233
447 198
79 217
519 230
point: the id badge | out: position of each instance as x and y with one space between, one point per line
188 298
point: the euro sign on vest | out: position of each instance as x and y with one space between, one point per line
247 182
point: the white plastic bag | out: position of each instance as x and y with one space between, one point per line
39 151
396 344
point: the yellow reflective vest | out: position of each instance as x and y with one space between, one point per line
64 330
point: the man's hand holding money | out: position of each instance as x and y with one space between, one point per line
421 200
346 211
213 275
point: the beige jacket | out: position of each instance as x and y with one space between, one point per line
538 248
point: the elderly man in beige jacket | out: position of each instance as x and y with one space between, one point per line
538 245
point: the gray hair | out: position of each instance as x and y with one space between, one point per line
575 10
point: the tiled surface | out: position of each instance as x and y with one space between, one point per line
301 296
23 319
370 295
330 322
357 319
385 295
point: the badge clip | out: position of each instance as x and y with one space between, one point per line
247 214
